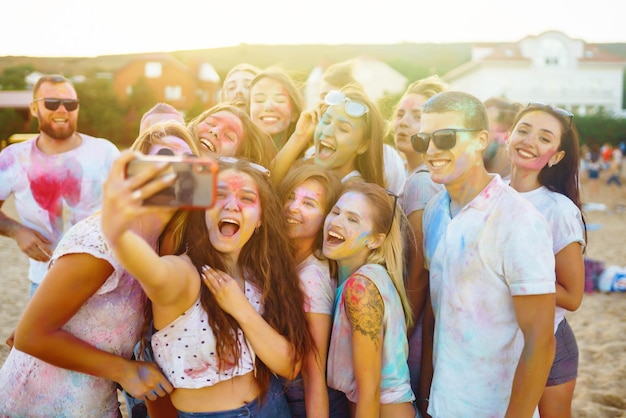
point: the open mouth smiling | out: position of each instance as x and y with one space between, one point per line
334 238
207 144
228 227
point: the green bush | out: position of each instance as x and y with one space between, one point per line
601 128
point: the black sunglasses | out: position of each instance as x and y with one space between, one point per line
561 112
53 104
444 139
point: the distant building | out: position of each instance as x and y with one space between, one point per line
550 68
376 77
171 81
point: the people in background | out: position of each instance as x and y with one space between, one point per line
74 341
418 190
55 178
501 113
236 86
227 131
275 104
543 148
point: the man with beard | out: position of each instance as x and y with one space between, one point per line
55 179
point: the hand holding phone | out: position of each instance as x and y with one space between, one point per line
195 184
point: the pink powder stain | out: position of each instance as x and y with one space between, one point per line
230 121
301 194
235 181
239 185
8 163
198 371
52 186
357 288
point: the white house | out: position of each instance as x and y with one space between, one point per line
550 68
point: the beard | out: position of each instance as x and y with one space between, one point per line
57 132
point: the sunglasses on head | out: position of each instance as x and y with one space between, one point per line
561 112
353 108
53 104
444 139
257 167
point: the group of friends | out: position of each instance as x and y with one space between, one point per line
336 275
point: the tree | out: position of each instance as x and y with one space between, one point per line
14 78
10 122
101 113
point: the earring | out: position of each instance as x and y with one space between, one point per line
550 164
370 246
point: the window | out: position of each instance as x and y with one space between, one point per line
173 92
554 52
154 69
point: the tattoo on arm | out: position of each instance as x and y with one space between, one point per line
364 307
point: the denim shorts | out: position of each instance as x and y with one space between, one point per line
565 365
275 406
294 392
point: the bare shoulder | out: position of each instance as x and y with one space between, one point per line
364 306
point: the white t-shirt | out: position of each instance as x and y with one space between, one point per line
54 192
496 247
319 288
394 170
419 188
565 222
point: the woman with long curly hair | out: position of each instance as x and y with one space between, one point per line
219 343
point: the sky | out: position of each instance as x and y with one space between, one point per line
88 28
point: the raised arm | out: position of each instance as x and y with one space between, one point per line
272 347
164 279
295 145
72 280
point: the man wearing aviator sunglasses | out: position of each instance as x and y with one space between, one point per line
56 178
491 274
53 104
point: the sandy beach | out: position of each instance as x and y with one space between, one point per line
599 324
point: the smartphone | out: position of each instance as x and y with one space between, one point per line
195 184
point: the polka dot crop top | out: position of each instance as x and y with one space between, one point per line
186 351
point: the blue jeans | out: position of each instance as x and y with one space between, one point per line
294 392
275 406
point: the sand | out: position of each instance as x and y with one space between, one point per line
599 324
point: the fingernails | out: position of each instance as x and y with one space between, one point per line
169 177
